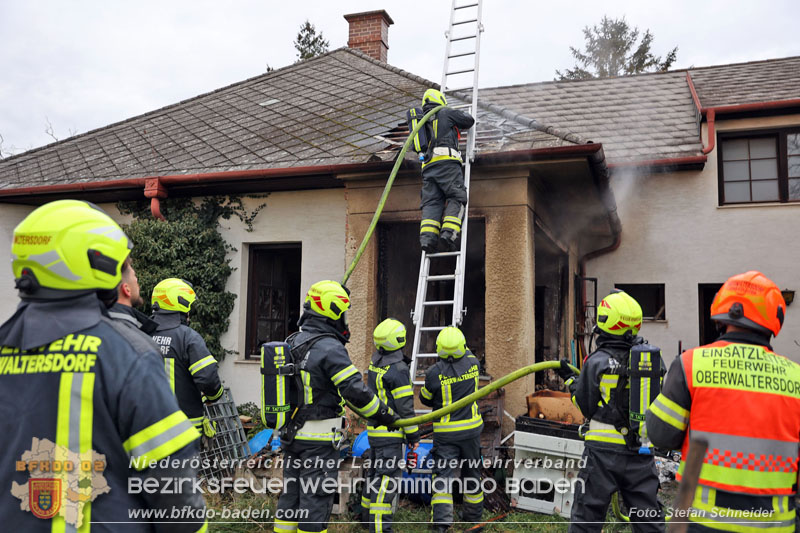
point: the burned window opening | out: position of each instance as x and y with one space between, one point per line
273 294
398 272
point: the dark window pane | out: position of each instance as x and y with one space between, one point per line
650 297
764 169
765 191
737 192
273 294
764 147
794 189
734 149
793 143
736 171
794 166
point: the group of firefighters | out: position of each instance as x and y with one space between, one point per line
82 368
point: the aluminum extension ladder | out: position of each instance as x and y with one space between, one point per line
463 44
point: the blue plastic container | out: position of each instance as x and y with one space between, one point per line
260 440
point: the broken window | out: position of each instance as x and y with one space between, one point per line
273 294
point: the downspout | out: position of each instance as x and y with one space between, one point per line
603 183
155 190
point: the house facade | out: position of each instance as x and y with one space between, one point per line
545 230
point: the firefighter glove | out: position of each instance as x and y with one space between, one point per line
385 417
564 371
412 438
209 428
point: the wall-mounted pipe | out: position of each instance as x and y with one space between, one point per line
711 112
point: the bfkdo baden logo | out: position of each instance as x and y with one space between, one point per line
44 496
61 483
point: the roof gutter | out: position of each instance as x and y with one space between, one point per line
156 187
711 112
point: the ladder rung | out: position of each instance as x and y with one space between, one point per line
438 302
442 277
427 355
461 106
464 22
466 6
432 328
463 54
418 382
459 89
444 254
463 71
464 38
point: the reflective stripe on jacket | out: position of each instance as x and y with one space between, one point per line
446 382
191 369
745 401
389 379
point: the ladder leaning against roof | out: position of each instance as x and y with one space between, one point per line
462 57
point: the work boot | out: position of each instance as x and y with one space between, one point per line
447 241
429 243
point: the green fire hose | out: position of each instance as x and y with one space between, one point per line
480 393
385 194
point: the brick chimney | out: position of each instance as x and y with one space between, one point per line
369 33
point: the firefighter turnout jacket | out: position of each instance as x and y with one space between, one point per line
446 124
133 318
329 379
84 411
389 379
446 382
599 394
191 369
744 400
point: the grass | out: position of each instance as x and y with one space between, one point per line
410 518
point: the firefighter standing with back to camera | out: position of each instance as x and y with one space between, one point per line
77 387
191 369
744 401
310 438
456 436
442 176
389 379
616 458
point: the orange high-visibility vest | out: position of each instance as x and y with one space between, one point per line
746 404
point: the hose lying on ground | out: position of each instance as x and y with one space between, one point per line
385 194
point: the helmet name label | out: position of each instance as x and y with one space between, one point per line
32 239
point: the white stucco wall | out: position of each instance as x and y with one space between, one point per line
675 233
10 216
314 218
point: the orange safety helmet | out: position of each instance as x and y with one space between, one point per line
750 300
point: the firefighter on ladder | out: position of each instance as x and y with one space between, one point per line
744 400
443 190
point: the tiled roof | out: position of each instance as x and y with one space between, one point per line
746 83
337 108
634 117
648 116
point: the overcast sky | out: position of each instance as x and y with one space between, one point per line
84 64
